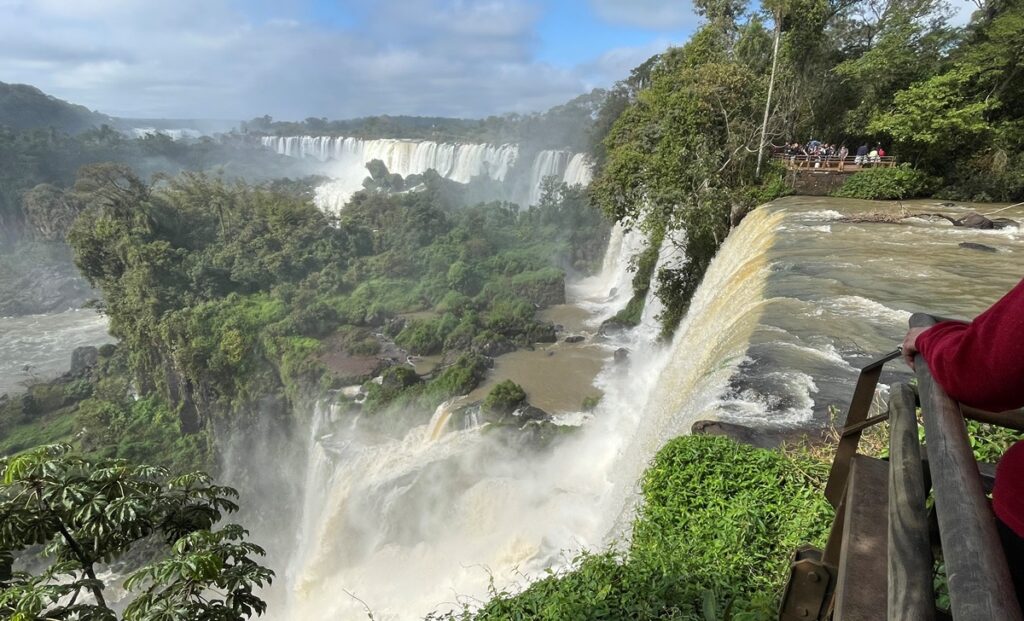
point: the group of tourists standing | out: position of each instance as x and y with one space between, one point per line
817 154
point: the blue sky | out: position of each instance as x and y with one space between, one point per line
237 59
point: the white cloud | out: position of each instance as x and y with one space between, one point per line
215 59
651 14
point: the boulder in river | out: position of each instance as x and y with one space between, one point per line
979 247
83 361
621 355
612 326
527 412
575 338
975 220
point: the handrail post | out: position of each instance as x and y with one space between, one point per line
980 588
911 597
860 405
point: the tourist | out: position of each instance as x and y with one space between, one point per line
980 364
873 156
862 153
843 153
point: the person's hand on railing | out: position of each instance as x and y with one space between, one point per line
909 347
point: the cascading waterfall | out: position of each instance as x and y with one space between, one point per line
608 291
579 171
671 256
346 159
403 524
458 162
546 164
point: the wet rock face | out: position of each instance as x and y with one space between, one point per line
83 361
760 438
492 348
527 413
612 326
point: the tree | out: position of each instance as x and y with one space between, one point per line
88 512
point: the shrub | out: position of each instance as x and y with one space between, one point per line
77 390
505 397
895 182
421 337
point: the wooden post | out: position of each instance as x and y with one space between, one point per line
911 597
980 588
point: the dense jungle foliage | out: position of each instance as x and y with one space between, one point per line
224 296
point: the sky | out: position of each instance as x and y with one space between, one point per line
238 59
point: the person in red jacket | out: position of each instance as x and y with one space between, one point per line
981 364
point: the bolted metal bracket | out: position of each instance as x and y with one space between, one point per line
808 588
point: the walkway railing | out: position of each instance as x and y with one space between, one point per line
878 561
820 162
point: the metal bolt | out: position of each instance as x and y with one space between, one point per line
813 576
803 612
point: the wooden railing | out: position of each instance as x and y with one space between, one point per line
878 562
821 162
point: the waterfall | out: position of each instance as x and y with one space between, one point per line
458 162
579 171
549 163
345 160
671 257
607 292
402 523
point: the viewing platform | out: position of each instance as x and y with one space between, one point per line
813 175
888 541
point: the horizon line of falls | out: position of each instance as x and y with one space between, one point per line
792 303
346 160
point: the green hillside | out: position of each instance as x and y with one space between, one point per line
26 107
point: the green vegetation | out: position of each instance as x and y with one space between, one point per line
715 533
505 398
897 182
88 513
223 296
26 107
677 143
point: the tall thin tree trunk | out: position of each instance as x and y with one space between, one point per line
771 87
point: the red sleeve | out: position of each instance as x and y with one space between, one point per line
981 363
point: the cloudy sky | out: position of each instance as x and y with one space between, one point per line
236 59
